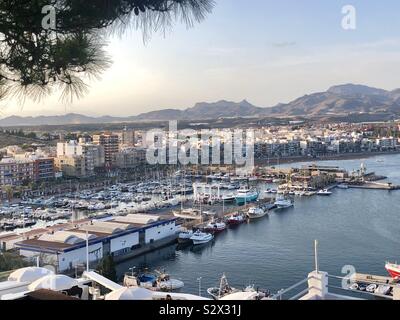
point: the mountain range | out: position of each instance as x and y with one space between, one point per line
337 100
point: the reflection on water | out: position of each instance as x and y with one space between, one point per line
354 227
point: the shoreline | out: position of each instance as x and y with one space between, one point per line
344 156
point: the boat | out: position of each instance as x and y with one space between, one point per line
244 196
201 237
215 227
343 186
283 203
236 219
354 286
160 282
394 270
371 288
184 236
166 283
223 290
228 198
324 192
383 289
256 212
189 214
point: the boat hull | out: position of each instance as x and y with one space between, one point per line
256 216
199 242
184 240
243 200
394 271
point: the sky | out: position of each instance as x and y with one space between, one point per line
265 51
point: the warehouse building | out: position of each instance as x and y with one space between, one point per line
120 237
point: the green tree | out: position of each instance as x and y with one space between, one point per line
37 59
107 268
11 261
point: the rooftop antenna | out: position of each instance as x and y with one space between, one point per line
316 255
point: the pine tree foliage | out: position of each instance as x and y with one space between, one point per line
35 61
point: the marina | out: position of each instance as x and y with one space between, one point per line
212 231
280 243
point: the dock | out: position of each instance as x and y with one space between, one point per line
373 279
375 186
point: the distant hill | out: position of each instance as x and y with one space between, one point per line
341 100
338 100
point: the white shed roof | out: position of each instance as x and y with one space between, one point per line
138 218
107 227
67 237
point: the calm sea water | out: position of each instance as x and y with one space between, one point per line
354 227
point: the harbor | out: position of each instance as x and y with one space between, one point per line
276 249
267 233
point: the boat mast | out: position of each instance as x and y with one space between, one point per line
316 255
87 251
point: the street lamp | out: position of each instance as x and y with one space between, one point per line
132 269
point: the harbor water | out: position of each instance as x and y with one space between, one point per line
354 227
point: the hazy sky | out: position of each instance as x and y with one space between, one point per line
265 51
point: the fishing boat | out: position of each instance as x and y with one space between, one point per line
223 290
393 269
201 237
283 203
244 196
215 227
184 236
236 219
324 192
256 212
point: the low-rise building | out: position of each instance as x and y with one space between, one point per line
121 237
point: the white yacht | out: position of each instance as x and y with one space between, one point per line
256 212
282 203
185 236
324 192
201 237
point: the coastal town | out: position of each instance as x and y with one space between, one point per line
91 156
104 200
198 158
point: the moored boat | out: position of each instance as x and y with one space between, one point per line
223 290
201 238
393 269
256 212
245 196
283 203
236 219
215 227
184 236
324 192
